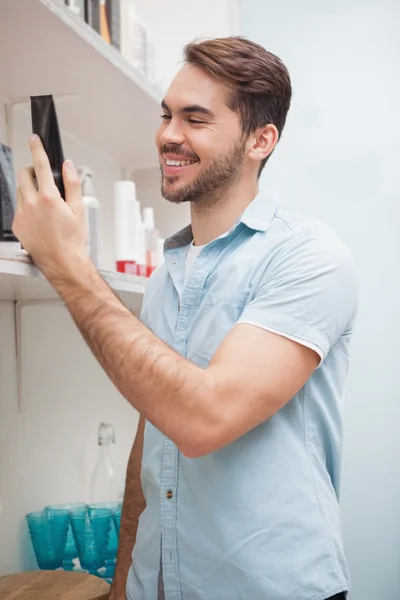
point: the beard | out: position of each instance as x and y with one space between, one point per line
222 174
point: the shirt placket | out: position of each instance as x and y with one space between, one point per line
170 467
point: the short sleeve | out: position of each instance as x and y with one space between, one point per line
308 292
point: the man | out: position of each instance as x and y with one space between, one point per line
238 366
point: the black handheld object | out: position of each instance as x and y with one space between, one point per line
45 125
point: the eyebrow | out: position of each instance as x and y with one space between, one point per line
193 108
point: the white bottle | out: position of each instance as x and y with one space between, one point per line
152 236
92 209
103 484
76 6
125 218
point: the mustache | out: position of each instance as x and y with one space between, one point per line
179 151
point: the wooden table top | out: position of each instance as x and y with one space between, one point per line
53 585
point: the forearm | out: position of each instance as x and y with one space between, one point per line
169 391
133 506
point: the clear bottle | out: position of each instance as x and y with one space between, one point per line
103 484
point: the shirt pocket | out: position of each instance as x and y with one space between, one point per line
217 315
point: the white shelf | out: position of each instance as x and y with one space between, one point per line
20 281
108 104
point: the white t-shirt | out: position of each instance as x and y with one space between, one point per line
191 256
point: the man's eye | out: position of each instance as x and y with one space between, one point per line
196 122
165 117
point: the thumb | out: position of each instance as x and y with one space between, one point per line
72 184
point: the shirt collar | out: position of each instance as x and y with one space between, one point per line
260 212
258 216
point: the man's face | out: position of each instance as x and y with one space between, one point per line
200 142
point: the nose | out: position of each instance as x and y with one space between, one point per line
172 133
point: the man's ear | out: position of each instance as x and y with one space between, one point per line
262 142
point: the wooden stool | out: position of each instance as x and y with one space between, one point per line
53 585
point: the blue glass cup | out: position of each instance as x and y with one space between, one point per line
91 530
117 519
71 551
113 540
49 537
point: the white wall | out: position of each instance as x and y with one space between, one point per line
49 450
3 128
339 161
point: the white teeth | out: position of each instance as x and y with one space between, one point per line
179 163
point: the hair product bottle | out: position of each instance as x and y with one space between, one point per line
92 209
45 125
125 226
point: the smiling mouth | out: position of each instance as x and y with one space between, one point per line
179 163
174 168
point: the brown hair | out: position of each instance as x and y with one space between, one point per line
260 82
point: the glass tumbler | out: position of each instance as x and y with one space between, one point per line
49 537
91 531
113 540
71 551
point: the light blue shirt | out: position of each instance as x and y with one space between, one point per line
258 519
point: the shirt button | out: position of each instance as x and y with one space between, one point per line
169 494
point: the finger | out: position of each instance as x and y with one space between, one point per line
72 184
41 164
17 214
19 200
27 185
